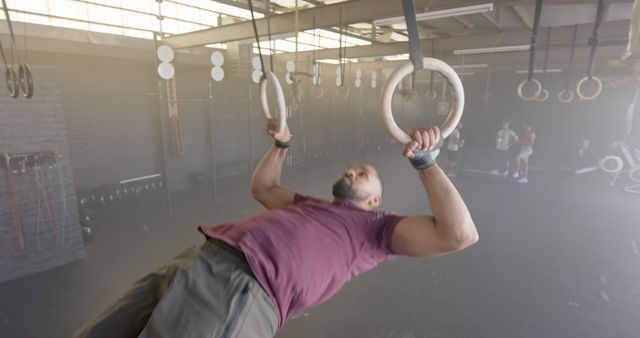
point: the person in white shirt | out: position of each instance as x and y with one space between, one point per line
504 139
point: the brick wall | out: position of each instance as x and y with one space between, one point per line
111 115
51 233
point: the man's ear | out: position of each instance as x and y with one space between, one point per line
375 201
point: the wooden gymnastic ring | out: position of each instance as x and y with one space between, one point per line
562 96
25 80
11 78
457 97
583 81
544 95
281 119
536 93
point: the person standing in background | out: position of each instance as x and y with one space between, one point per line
504 139
526 149
454 146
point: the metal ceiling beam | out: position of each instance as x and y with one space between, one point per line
491 20
508 62
556 2
561 35
499 15
315 3
326 16
524 18
243 5
466 23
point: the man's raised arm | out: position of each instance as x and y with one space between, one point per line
450 228
266 186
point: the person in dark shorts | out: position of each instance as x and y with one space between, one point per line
253 274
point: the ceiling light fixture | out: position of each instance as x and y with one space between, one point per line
266 38
473 65
514 48
552 70
440 14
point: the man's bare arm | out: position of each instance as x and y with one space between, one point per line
266 185
450 228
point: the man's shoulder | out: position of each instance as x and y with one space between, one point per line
300 198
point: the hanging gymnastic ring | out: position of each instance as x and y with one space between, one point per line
582 81
25 80
536 93
317 94
562 96
544 95
634 174
342 92
11 79
408 94
431 94
281 119
457 97
618 164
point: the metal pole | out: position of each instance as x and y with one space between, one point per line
160 110
630 113
250 128
212 159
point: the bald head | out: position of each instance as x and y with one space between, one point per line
360 183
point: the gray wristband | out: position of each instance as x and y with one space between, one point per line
425 159
282 145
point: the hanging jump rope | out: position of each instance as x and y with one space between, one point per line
42 202
317 90
342 91
177 146
16 222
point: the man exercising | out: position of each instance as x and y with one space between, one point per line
251 275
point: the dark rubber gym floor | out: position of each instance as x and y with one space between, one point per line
557 257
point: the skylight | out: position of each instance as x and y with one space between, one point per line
310 40
137 18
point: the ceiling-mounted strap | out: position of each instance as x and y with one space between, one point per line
433 54
534 35
593 40
573 49
546 56
415 48
5 62
14 46
255 34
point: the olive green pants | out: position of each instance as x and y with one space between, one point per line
206 292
